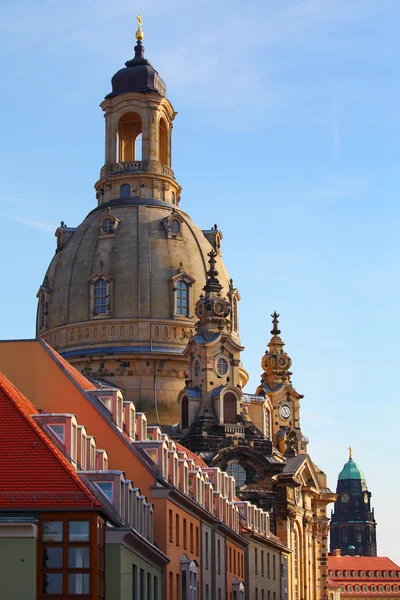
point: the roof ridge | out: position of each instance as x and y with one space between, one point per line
23 406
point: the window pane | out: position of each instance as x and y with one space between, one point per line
52 583
52 531
106 488
78 583
78 558
79 531
59 431
52 558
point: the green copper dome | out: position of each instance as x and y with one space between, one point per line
351 471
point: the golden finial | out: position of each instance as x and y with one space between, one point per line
350 453
139 33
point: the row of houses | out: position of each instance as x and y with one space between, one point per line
97 504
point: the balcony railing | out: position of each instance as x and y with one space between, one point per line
129 166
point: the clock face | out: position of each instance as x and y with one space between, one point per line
285 411
345 498
366 498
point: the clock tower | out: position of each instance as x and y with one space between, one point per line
353 525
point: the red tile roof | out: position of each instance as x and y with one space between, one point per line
33 472
80 379
361 563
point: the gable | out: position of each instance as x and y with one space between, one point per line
33 472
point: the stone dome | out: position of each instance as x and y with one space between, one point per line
142 337
141 258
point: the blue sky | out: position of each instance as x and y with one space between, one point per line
287 136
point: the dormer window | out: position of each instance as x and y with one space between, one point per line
59 430
100 295
182 294
108 224
43 307
107 488
182 298
173 225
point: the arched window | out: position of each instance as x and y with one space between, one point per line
163 142
344 535
349 588
388 588
357 588
235 470
138 147
359 535
373 588
108 226
230 410
395 588
100 304
129 128
182 298
125 190
184 412
365 589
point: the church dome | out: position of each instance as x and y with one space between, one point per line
351 471
118 299
141 259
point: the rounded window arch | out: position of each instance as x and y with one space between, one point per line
230 410
395 588
163 141
184 412
381 588
357 588
373 588
129 128
349 588
388 588
365 588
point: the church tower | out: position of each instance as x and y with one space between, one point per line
353 525
118 299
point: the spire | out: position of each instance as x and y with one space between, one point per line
275 323
212 283
212 309
275 362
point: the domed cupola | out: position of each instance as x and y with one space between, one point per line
353 525
119 297
351 471
138 75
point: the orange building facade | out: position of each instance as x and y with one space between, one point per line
195 513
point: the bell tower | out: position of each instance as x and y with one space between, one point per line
139 120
